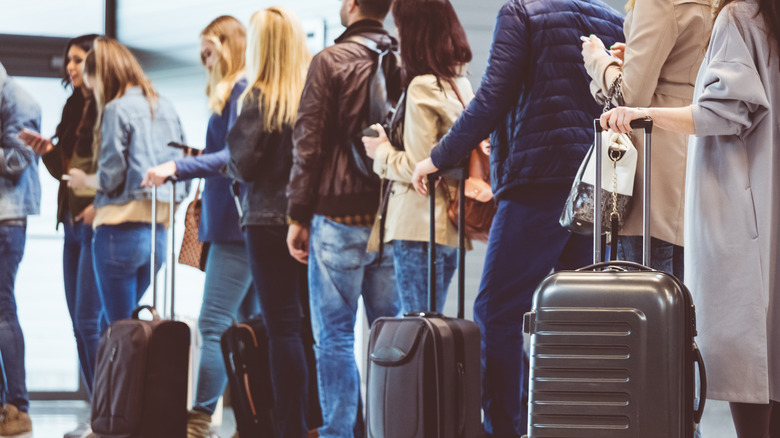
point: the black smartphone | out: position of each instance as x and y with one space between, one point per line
188 150
370 132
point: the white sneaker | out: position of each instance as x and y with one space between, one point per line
81 431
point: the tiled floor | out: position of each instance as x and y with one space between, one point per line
53 419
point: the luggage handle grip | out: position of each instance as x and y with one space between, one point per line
615 264
152 310
646 124
699 360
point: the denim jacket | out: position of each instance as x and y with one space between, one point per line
132 141
20 188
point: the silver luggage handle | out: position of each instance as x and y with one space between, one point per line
647 126
172 262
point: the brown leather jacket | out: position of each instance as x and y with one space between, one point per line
333 109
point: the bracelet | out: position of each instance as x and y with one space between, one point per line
647 116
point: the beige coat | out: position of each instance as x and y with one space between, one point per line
430 112
732 220
665 44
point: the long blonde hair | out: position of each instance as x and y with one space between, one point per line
277 59
630 5
229 37
113 69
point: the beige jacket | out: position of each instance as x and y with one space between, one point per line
665 44
430 112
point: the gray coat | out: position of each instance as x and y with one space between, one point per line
732 215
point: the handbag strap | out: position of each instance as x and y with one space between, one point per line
614 95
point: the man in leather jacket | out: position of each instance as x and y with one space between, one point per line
332 206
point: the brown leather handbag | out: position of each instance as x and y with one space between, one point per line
479 204
193 252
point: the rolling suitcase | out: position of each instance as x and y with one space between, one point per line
245 352
141 373
424 369
612 345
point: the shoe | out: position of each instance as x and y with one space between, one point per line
81 431
14 424
198 424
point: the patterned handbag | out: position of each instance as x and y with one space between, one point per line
193 252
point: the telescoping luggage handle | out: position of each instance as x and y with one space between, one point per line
172 263
461 173
647 126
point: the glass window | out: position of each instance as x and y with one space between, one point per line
52 17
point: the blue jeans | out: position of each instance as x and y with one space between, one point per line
12 239
410 260
278 280
81 294
525 244
228 283
340 271
122 258
664 256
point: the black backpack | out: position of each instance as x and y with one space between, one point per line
384 90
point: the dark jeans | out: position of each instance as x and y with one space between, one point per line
410 260
525 244
122 258
81 294
12 239
278 278
664 256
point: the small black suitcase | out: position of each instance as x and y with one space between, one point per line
141 373
612 346
424 369
245 352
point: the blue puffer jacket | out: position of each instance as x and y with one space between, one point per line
534 99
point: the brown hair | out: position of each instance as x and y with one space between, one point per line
374 8
113 69
229 36
432 39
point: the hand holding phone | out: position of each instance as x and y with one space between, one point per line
188 150
370 132
36 141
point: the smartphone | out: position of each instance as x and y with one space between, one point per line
584 39
188 150
65 177
370 132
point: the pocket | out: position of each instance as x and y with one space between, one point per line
338 246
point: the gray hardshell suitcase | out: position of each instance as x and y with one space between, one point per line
612 346
424 369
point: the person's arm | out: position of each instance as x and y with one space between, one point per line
314 114
654 31
505 74
112 165
669 119
421 128
18 111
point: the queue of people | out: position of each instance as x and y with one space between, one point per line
283 126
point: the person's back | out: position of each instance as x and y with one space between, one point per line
332 204
535 99
20 196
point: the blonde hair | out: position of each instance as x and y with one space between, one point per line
630 5
229 37
277 59
113 69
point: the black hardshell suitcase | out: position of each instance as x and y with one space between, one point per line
612 346
141 373
245 352
424 369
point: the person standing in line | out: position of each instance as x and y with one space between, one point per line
75 211
134 125
732 209
260 147
434 54
331 209
536 102
228 281
665 44
20 196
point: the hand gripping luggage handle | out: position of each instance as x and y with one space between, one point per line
697 414
647 125
172 208
461 173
